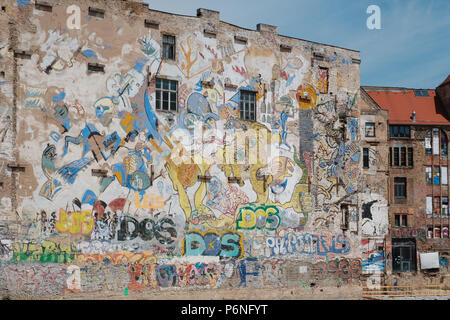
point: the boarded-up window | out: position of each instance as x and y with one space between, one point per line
444 175
429 208
323 80
435 141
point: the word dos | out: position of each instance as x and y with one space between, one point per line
261 217
227 245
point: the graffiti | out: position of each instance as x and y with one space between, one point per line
57 178
73 282
265 217
153 204
46 251
323 80
366 209
34 97
306 97
344 269
373 257
34 279
409 233
151 201
6 250
75 222
163 230
228 244
107 277
186 67
320 245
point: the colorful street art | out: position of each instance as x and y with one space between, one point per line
128 195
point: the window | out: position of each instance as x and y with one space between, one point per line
403 255
403 156
410 157
428 175
400 188
401 220
429 208
247 105
444 175
96 12
366 158
166 94
396 157
370 129
436 175
437 206
400 131
444 210
421 93
168 51
436 142
44 6
390 157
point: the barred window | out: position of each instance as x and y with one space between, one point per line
365 158
248 105
400 187
166 94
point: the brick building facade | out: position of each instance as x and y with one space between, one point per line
415 153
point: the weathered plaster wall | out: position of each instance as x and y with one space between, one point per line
151 222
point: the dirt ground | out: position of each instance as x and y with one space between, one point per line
323 293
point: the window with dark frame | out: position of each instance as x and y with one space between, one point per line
400 188
396 157
404 220
370 129
397 131
403 157
247 106
397 220
401 220
366 158
168 48
166 94
410 157
390 157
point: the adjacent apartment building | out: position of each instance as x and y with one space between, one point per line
411 160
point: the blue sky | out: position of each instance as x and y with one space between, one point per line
411 50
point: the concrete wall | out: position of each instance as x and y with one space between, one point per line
150 222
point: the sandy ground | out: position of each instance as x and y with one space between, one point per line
332 293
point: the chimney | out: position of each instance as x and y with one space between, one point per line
212 15
261 27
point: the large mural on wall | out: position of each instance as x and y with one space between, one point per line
191 198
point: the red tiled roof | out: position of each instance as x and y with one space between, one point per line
400 103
